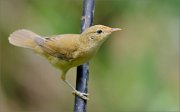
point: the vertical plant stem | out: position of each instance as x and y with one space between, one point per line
83 70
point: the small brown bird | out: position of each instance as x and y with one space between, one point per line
67 50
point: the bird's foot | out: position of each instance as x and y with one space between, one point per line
81 95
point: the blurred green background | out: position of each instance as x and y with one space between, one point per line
136 69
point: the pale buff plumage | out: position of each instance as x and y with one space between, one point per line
67 50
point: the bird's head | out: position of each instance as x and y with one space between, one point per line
96 35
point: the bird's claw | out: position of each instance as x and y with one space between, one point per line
80 94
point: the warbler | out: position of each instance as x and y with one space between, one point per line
64 51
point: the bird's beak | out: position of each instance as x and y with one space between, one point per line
115 29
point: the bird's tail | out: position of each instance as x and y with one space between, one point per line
23 38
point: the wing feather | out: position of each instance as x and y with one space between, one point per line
61 46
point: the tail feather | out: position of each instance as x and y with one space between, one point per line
23 38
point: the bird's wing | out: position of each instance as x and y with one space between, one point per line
61 46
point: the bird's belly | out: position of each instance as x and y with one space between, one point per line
64 64
79 61
59 63
81 58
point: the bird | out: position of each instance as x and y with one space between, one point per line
64 51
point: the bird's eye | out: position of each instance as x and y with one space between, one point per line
99 31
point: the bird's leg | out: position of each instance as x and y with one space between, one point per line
78 93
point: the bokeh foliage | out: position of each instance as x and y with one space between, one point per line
137 69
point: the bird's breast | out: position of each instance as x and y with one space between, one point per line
82 56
